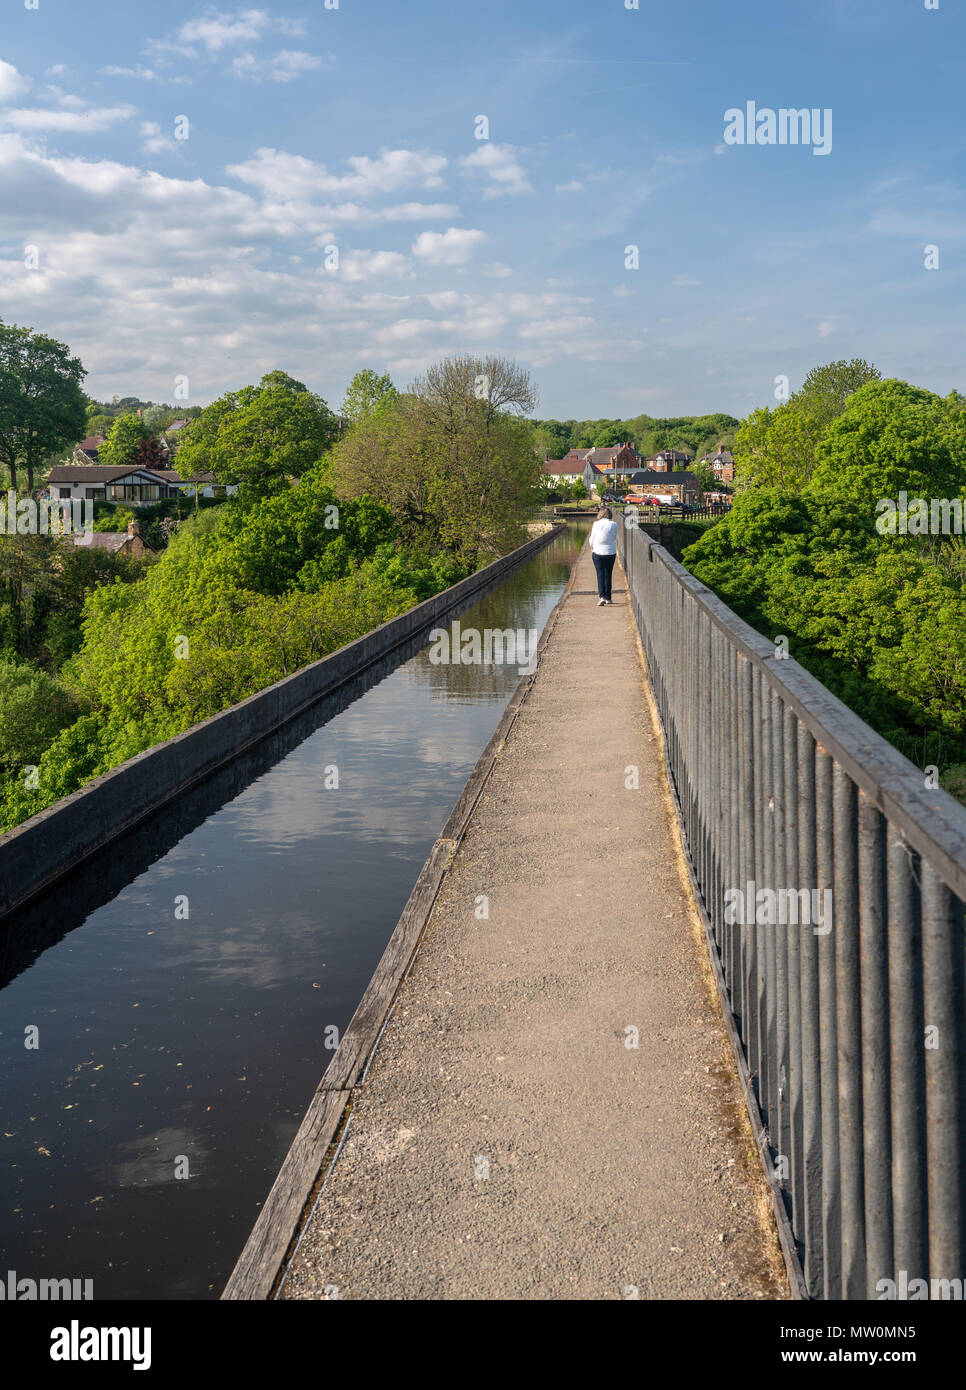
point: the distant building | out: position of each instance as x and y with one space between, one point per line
598 467
668 460
722 464
132 484
86 450
679 485
127 542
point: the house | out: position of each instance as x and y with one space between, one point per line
668 460
86 451
677 485
597 467
127 542
722 464
131 484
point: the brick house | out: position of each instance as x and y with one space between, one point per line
722 464
677 485
127 542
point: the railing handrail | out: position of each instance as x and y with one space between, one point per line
887 776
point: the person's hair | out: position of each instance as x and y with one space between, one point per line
606 513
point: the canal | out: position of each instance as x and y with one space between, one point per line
166 1014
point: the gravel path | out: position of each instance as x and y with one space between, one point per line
509 1141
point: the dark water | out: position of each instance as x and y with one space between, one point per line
172 1043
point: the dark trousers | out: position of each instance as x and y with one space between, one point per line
604 565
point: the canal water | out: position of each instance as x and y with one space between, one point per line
181 995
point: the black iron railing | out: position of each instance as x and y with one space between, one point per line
833 878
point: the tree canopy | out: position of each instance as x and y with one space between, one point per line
42 406
260 437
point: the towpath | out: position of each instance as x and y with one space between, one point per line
552 1110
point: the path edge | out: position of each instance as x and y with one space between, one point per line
280 1224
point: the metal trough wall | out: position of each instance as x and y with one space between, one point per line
854 1036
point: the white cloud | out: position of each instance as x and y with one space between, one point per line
217 31
574 186
90 122
685 281
498 164
57 70
211 269
13 84
285 66
292 176
152 141
452 247
825 329
372 265
147 74
395 212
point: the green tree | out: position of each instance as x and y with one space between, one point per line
453 459
825 390
260 437
776 449
123 442
366 393
35 709
893 437
42 406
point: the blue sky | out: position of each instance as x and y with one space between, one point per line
158 258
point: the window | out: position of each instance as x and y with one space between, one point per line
94 494
64 492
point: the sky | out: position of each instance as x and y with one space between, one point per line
193 195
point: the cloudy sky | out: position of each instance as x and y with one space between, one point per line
215 192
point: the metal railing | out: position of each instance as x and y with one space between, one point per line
851 1020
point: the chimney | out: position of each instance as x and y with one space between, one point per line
133 527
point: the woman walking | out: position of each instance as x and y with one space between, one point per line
603 545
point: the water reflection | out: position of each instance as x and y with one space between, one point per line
183 985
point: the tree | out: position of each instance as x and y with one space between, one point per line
705 476
893 437
580 493
776 449
825 390
149 453
259 437
123 441
452 458
367 393
42 406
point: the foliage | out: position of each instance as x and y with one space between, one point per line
452 458
893 437
367 393
35 709
41 401
261 437
124 439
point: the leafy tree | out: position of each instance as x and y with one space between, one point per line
367 393
452 458
261 436
123 442
825 390
41 402
35 709
776 449
580 493
893 437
